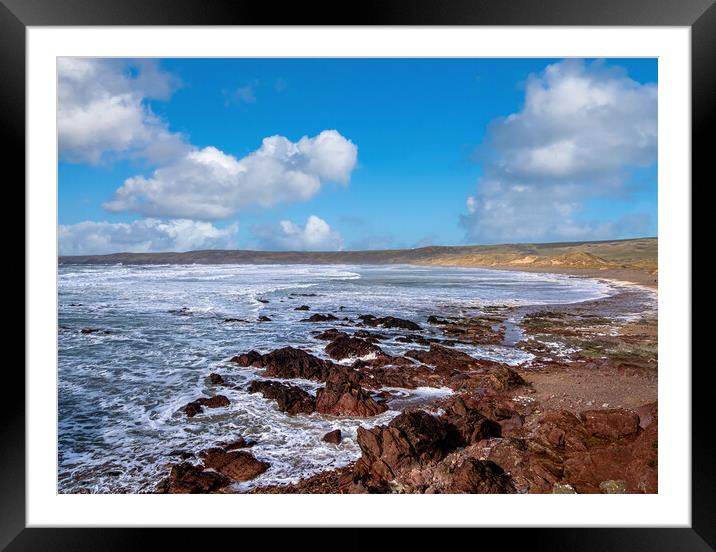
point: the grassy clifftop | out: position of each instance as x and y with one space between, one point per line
637 254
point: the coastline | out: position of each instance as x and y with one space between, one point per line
616 275
558 388
589 359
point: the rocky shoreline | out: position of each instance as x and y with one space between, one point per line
581 416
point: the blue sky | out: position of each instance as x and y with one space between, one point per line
162 154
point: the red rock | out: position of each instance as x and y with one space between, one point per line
216 379
347 347
347 399
237 465
186 478
289 398
610 424
217 401
479 477
252 358
195 407
239 443
411 438
192 409
467 426
334 437
290 363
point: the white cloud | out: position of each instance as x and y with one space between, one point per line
242 94
102 110
582 127
142 236
210 184
315 235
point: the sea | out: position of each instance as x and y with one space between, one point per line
162 330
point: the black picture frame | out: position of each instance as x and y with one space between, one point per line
699 15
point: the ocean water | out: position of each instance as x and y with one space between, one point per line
121 393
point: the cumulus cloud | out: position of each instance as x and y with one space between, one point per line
209 184
142 236
102 110
581 129
315 235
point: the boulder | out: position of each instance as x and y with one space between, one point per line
412 438
195 407
467 425
303 308
334 437
216 379
351 347
388 322
290 363
347 399
320 318
330 335
186 478
235 464
289 398
252 358
239 443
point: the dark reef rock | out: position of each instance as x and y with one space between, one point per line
320 318
388 322
196 407
289 398
216 379
87 331
303 308
330 334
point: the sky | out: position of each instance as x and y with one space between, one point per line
353 154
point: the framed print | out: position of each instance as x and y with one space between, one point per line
398 269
